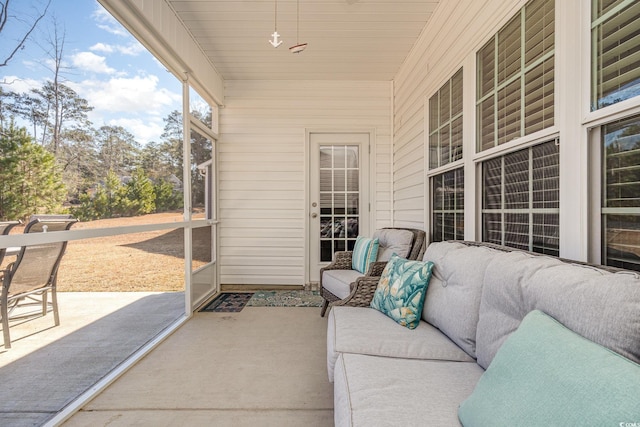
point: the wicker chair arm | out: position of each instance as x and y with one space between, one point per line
376 268
362 291
341 261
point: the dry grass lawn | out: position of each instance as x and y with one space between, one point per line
140 262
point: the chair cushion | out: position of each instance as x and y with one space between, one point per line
599 305
367 331
383 391
365 251
337 281
546 374
453 298
401 289
392 241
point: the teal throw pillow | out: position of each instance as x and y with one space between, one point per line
547 375
364 253
401 290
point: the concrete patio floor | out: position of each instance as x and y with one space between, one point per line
48 367
263 366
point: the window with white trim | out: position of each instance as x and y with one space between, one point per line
515 80
615 32
445 123
520 206
621 193
447 206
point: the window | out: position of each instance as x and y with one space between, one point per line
520 206
615 31
515 87
447 206
621 193
445 123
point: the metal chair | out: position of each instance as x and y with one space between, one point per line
5 228
28 280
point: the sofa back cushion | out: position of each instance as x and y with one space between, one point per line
452 303
547 375
393 241
598 305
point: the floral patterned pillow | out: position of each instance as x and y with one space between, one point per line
401 290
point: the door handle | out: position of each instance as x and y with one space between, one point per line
313 215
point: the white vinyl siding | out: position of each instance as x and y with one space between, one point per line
450 36
262 174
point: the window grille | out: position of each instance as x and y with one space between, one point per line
447 206
621 193
615 31
515 91
520 206
445 123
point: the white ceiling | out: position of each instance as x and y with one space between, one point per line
347 39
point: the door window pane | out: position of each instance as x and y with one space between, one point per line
339 198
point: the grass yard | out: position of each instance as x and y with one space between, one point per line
140 262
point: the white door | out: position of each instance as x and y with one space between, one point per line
338 195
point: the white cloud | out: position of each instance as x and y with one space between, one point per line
89 61
136 95
132 49
102 47
108 23
143 130
19 85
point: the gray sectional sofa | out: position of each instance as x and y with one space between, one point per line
387 375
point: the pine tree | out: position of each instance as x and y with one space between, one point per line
30 181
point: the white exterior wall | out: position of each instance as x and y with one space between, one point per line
456 30
262 176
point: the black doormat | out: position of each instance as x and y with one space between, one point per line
230 303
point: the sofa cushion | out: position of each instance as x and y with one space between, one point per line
367 331
337 281
365 252
392 241
452 303
401 289
382 391
599 305
546 374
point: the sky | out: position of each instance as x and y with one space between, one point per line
103 63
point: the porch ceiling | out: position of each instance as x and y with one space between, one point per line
348 39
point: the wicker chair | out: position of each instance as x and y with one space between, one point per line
342 261
28 280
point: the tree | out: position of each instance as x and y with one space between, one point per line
117 150
30 181
140 194
18 44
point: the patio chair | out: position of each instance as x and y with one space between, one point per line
27 281
5 228
338 278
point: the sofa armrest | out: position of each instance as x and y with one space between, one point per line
362 291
